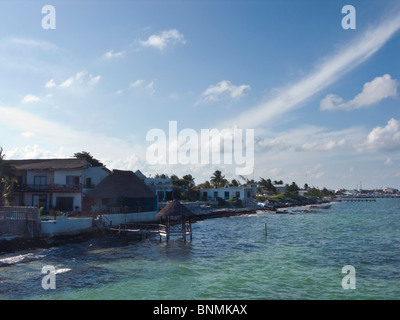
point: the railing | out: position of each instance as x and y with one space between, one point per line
51 187
18 215
137 209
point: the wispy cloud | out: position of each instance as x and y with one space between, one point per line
165 38
32 43
80 78
143 85
348 58
378 89
223 89
30 98
111 54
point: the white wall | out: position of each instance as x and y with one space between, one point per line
118 218
66 226
96 174
60 175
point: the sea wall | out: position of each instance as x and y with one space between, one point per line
118 218
66 226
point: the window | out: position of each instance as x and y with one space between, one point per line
72 180
65 203
88 182
39 180
215 194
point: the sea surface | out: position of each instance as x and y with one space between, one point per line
301 257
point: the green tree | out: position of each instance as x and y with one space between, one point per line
293 188
217 179
93 162
205 185
268 185
8 174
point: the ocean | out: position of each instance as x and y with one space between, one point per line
301 257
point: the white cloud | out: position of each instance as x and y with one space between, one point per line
143 85
44 45
348 58
383 138
165 38
30 98
27 134
136 84
81 78
67 83
223 89
56 140
110 54
50 84
388 161
34 152
378 89
93 80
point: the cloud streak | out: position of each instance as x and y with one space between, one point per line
335 67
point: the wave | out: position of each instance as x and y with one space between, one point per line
22 258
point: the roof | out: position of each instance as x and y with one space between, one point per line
123 184
140 174
175 208
49 164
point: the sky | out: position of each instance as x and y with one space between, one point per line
320 98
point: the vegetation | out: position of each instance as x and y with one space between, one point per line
93 162
7 179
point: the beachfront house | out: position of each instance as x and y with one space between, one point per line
280 188
162 187
244 193
61 184
122 192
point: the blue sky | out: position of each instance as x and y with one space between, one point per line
323 101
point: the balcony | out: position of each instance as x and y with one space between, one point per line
51 188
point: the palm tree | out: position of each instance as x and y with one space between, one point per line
218 179
7 170
7 178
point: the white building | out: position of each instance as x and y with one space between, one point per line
61 184
163 188
227 192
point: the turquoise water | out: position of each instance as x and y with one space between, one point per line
229 258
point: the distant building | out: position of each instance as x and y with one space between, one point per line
390 190
163 188
280 188
55 183
228 192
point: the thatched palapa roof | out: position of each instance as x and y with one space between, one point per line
121 184
175 209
